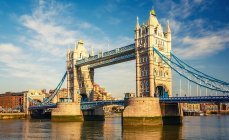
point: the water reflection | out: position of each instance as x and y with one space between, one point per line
151 132
110 129
213 127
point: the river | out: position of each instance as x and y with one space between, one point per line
194 127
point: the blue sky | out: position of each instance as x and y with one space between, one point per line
35 36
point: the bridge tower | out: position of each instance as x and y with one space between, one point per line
79 85
79 79
153 77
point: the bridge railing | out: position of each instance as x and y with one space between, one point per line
195 99
96 104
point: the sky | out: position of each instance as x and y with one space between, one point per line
36 34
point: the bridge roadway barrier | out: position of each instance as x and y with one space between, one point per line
149 111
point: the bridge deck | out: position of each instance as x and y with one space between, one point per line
193 99
118 55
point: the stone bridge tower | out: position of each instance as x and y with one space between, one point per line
79 79
153 76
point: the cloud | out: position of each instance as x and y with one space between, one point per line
193 38
39 57
202 46
9 48
44 30
21 65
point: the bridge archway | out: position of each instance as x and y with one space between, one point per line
161 91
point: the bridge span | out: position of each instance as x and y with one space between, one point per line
155 65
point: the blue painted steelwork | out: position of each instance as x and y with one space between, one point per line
196 99
193 99
47 100
96 104
194 77
128 53
56 90
182 63
114 60
97 60
43 106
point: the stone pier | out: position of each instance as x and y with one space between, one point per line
94 114
67 111
149 111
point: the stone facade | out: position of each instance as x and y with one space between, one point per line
79 79
67 112
153 77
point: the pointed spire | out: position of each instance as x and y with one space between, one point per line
92 51
76 44
152 18
168 30
152 12
137 24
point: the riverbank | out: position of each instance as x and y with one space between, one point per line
223 112
5 116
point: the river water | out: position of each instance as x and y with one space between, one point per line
194 127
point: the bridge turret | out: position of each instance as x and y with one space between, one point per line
152 19
153 78
169 37
80 51
137 24
92 51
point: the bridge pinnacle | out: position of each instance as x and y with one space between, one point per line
152 12
168 30
137 24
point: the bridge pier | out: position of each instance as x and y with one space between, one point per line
149 111
96 114
67 111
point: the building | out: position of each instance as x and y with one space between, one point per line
100 94
62 93
191 107
153 76
209 107
12 100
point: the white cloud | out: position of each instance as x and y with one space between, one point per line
203 46
193 39
9 48
21 65
43 43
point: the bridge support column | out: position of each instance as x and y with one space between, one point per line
149 111
67 111
94 114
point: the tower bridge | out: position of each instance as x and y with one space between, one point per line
153 103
